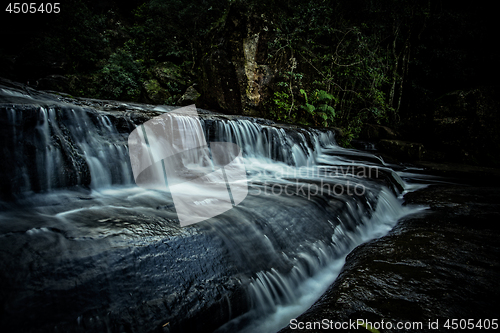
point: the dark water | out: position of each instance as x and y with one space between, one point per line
82 248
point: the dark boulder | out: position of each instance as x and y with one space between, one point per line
189 97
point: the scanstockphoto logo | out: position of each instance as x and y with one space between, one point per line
170 152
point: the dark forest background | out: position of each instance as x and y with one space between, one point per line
421 71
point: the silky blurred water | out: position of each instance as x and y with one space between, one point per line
104 254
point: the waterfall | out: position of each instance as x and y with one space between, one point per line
104 254
60 146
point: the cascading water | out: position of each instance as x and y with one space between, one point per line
51 152
83 248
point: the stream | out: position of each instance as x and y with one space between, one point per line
83 248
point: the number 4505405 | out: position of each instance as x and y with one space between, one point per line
33 8
464 324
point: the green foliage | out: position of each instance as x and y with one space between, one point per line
319 106
120 77
352 71
281 106
334 63
174 30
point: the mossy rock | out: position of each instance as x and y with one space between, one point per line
190 96
166 73
154 93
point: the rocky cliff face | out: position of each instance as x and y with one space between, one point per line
235 76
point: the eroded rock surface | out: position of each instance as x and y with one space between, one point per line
235 77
